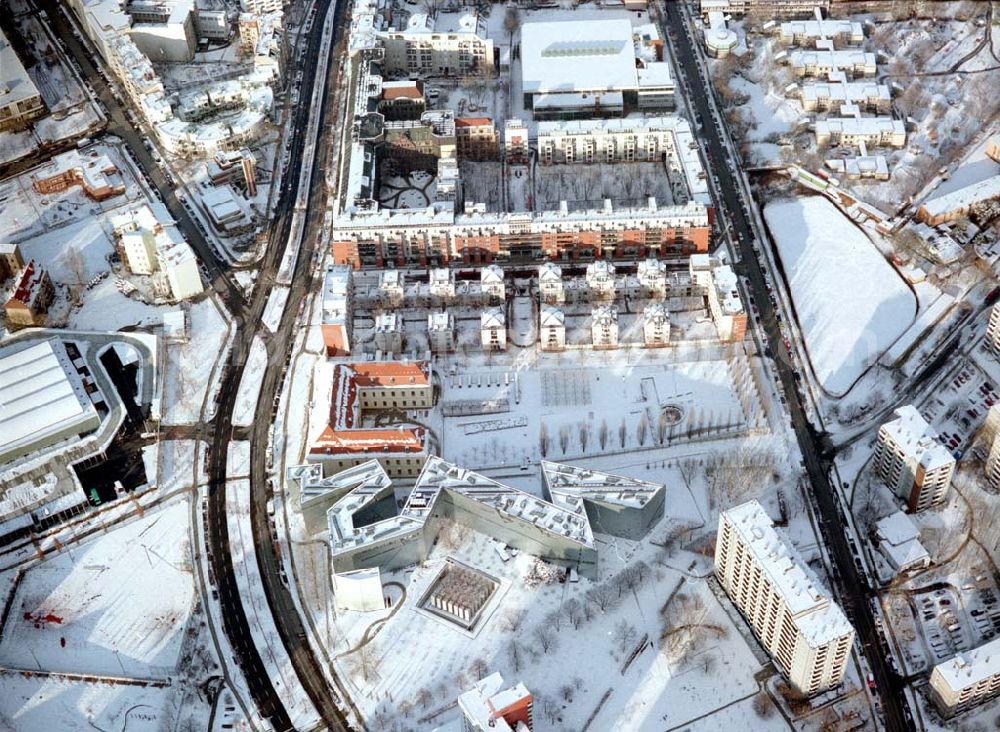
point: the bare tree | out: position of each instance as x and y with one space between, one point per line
545 637
564 438
566 692
554 620
512 21
511 619
366 661
573 612
602 434
641 428
708 663
514 654
601 595
550 708
624 634
584 434
424 697
762 705
76 267
622 430
479 667
543 439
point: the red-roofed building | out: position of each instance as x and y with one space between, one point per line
32 296
361 387
489 708
476 138
402 100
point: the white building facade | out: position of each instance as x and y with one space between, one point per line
796 620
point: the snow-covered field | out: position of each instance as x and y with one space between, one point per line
851 304
67 706
116 605
600 399
189 365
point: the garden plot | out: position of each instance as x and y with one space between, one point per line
603 405
851 304
116 605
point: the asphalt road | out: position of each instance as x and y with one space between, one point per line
852 583
280 601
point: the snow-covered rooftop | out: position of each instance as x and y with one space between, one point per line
818 618
481 704
984 190
911 432
570 486
575 55
15 84
969 668
899 540
492 318
41 395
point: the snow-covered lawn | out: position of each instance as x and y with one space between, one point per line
850 302
246 397
105 308
189 365
122 601
53 704
602 398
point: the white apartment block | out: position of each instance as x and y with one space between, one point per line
148 246
852 62
551 328
389 333
968 679
441 285
656 325
441 332
20 100
652 277
604 326
164 31
824 96
667 138
606 141
724 305
803 32
445 44
491 281
262 7
550 284
793 615
601 280
493 329
855 131
993 329
911 461
991 429
391 288
765 8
